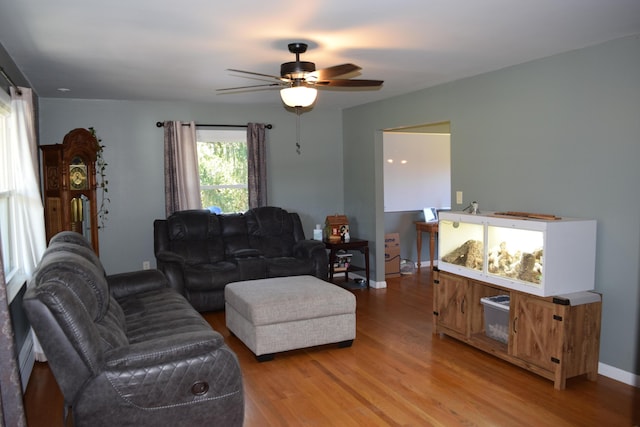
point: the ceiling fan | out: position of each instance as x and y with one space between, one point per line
300 80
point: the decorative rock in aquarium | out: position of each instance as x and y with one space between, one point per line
469 254
522 266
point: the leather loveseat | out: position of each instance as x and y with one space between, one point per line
127 349
201 252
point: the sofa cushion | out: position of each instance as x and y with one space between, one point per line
112 327
271 231
196 236
159 313
210 276
70 245
83 278
234 234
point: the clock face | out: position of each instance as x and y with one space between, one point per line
78 177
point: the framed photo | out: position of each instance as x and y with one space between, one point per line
430 214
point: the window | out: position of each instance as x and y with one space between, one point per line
7 206
223 170
6 214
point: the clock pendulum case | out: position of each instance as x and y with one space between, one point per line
69 171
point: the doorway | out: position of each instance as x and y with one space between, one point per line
416 175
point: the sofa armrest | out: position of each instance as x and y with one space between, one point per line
124 284
308 248
172 265
169 257
164 350
193 380
315 250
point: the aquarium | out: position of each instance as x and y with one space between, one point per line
543 257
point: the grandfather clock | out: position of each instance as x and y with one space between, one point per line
70 200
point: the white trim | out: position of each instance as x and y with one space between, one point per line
372 283
15 284
619 375
426 263
377 285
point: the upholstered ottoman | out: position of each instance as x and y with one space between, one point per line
286 313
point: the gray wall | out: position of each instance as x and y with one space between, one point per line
310 184
11 70
559 135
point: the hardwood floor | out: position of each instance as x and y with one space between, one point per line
397 373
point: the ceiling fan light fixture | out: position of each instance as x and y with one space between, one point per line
298 96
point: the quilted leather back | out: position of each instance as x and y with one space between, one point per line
196 236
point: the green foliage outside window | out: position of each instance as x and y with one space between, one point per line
223 175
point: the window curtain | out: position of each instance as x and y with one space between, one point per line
257 165
12 413
21 177
181 178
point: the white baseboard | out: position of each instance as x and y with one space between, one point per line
619 375
372 283
426 263
377 285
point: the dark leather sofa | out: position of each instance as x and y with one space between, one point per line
127 349
201 252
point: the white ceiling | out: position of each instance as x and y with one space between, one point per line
180 50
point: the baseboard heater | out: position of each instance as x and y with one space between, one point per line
22 332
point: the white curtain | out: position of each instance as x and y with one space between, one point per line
181 177
23 178
20 178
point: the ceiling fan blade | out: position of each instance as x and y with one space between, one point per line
283 79
331 72
248 87
350 83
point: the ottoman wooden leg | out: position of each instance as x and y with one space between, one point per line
345 344
265 357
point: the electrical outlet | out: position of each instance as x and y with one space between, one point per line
146 265
459 197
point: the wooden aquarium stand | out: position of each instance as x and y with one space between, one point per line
554 337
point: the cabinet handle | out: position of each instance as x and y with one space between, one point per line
515 320
464 300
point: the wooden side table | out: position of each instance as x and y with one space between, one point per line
353 244
432 229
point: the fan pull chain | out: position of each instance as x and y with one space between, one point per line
298 130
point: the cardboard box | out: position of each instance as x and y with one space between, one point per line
392 255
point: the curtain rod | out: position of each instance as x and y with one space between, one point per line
269 126
8 79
